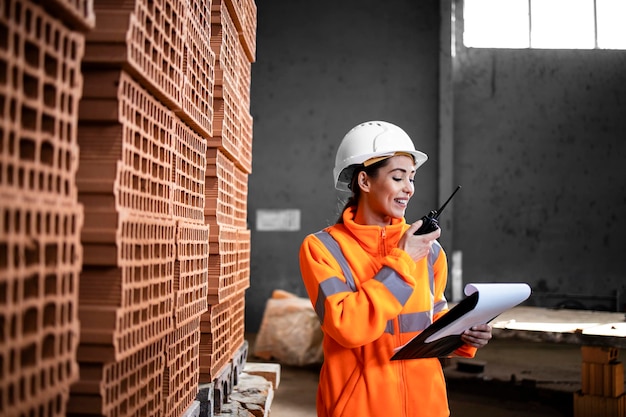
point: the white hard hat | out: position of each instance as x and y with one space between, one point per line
371 140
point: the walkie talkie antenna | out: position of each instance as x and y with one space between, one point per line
430 222
438 212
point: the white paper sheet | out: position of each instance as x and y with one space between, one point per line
493 299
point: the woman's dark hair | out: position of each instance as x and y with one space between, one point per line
371 171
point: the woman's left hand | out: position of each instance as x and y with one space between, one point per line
477 336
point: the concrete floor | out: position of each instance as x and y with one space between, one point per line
520 379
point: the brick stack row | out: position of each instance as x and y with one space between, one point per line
602 386
223 349
41 49
159 283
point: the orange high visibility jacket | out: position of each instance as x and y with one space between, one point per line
371 297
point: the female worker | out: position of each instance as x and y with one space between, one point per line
375 285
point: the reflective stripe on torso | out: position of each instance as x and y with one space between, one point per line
408 323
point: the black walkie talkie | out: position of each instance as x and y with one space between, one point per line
431 220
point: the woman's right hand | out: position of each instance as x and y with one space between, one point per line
418 246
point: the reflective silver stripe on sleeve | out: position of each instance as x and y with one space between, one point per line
432 258
411 322
414 322
327 288
334 249
391 279
389 327
440 306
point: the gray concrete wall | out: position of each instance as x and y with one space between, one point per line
538 144
540 147
323 67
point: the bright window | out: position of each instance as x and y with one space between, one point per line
611 27
547 24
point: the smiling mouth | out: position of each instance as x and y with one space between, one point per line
403 201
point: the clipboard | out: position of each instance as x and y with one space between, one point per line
483 303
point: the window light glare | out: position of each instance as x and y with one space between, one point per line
562 24
496 23
611 28
548 24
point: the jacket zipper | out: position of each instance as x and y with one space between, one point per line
383 242
402 378
401 369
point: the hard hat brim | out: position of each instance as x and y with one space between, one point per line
343 176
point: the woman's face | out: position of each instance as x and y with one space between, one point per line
387 195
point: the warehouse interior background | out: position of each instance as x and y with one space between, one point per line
534 136
138 228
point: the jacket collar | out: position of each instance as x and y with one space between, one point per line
371 237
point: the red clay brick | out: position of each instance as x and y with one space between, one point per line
244 16
245 151
78 14
131 155
222 269
240 200
39 98
226 121
189 172
190 272
144 37
226 102
182 372
220 188
237 322
214 341
247 34
138 310
40 260
199 80
225 44
243 259
131 386
199 11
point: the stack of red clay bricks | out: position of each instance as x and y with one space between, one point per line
125 150
222 349
167 247
602 391
41 48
